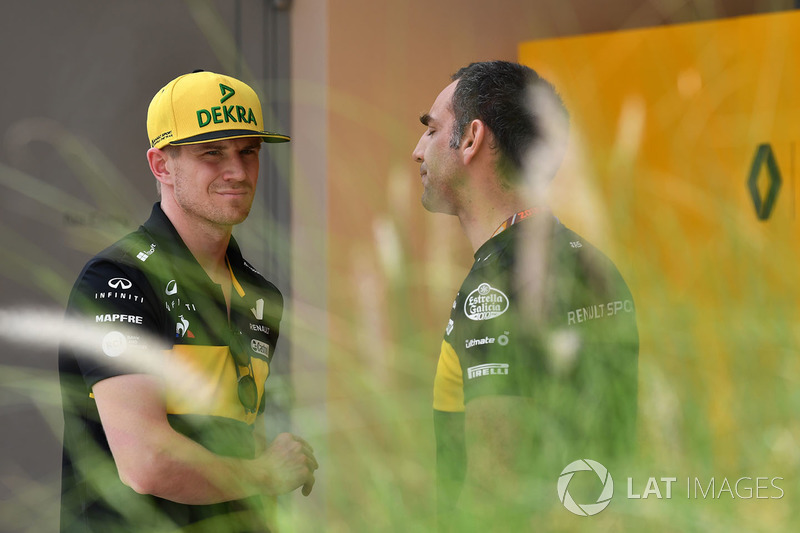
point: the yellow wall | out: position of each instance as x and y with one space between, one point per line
666 125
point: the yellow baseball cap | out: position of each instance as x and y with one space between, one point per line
205 106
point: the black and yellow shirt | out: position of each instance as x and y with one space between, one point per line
545 315
148 307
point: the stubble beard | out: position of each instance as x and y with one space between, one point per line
435 204
441 196
205 209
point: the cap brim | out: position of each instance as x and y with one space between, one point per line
265 136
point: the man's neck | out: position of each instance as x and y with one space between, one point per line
207 242
481 218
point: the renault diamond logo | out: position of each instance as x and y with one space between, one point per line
764 159
226 91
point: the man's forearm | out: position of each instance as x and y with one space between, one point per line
152 458
171 466
185 472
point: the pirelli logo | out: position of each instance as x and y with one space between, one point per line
489 369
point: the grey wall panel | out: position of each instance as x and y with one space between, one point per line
76 79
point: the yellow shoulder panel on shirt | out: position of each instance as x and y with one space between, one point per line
448 386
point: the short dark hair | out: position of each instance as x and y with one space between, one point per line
497 93
171 150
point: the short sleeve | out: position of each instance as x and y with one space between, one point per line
112 323
448 385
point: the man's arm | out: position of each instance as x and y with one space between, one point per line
451 465
500 456
152 458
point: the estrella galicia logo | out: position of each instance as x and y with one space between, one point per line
485 303
120 283
585 509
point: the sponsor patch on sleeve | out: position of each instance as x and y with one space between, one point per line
485 303
487 369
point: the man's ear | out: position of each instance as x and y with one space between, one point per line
160 165
474 140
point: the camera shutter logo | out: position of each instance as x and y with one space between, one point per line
585 509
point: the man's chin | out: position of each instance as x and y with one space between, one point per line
436 206
233 218
236 213
238 220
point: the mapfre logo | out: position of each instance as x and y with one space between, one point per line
485 303
585 509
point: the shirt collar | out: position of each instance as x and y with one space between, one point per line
165 236
508 232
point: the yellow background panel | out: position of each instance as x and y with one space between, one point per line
666 123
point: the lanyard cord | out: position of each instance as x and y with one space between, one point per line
516 217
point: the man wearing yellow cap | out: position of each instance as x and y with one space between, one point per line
163 400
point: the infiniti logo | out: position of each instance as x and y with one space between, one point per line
172 287
120 283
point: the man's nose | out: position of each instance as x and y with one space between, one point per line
235 168
418 151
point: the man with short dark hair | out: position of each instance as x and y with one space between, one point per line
164 393
538 366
